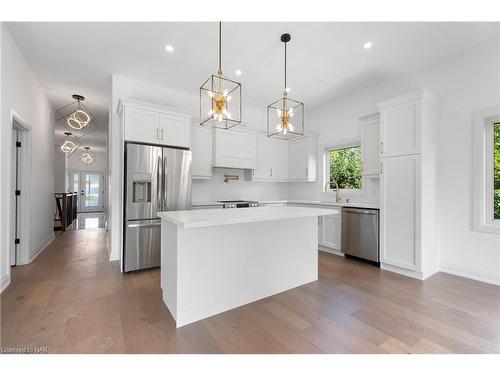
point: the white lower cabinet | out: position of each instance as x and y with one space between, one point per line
330 231
201 147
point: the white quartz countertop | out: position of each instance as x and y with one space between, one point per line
220 216
301 202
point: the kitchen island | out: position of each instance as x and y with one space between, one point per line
217 259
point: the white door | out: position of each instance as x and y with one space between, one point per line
92 192
399 228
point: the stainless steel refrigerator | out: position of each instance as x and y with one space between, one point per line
156 179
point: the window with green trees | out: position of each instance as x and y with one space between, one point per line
496 171
345 167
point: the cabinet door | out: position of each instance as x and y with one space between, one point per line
174 130
400 129
371 149
279 160
298 168
331 231
141 125
399 195
201 147
235 149
263 171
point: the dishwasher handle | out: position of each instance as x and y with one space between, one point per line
359 211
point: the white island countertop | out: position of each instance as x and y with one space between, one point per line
220 216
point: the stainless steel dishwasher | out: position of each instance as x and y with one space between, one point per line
360 233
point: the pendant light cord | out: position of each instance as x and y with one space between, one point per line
285 67
220 47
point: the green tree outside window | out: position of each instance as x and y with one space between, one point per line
345 168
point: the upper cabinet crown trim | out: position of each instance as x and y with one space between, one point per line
410 97
374 117
151 107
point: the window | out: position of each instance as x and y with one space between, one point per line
486 170
344 167
496 171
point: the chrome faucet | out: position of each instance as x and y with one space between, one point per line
337 195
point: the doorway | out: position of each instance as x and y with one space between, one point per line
91 190
16 192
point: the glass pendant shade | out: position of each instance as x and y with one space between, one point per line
220 98
285 116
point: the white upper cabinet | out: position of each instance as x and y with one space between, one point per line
154 124
272 160
174 130
403 121
140 125
234 148
302 156
370 144
201 147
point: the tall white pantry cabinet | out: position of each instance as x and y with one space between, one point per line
408 210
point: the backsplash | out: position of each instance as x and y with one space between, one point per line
216 189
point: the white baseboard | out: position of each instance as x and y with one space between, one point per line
4 282
331 251
414 274
43 246
484 277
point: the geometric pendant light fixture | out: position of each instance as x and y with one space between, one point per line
79 118
220 98
285 116
87 157
67 147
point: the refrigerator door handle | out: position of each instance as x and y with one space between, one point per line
165 184
158 183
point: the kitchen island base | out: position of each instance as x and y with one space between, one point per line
208 270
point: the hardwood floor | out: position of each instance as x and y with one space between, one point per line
71 299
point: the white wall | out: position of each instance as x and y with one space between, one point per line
23 95
122 87
60 169
465 83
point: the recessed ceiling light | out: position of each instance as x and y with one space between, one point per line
238 72
169 48
368 45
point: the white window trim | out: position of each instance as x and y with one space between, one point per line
482 180
325 167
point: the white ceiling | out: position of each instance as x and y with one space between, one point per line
325 59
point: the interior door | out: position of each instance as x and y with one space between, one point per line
92 192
